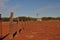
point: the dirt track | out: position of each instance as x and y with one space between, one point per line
44 30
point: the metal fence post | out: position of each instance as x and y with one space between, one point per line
11 25
0 26
18 25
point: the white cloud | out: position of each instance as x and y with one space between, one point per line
4 8
2 5
14 7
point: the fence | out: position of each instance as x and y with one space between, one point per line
8 30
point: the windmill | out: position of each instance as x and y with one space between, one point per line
37 15
38 19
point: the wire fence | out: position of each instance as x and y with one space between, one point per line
10 29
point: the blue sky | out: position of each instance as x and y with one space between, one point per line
44 8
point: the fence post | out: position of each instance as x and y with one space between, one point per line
18 25
22 24
0 26
11 25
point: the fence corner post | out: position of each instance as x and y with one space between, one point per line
11 25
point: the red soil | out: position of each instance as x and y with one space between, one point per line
44 30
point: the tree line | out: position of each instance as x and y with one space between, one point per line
20 19
30 18
50 18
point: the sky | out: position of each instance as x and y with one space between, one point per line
31 8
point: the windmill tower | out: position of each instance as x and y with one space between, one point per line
38 19
37 15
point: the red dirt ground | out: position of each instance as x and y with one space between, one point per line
43 30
